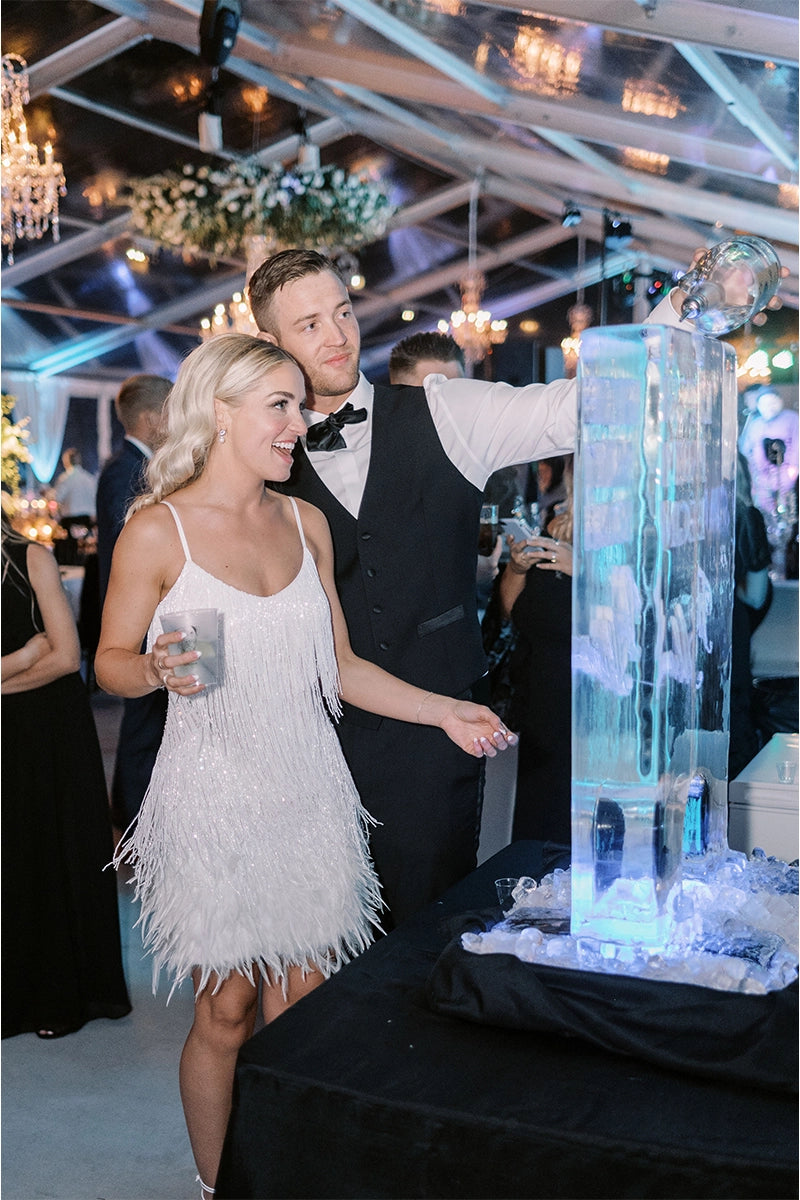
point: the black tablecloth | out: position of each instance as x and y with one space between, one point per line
363 1090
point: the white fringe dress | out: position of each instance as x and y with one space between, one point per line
250 846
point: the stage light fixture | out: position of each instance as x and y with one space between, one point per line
617 232
219 24
572 214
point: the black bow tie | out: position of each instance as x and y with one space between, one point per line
325 434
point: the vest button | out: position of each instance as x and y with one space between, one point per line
376 608
383 646
371 572
365 537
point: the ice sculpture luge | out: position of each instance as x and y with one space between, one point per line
653 595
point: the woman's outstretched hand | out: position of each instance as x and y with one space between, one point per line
473 727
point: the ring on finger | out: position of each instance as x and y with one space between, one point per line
553 557
164 678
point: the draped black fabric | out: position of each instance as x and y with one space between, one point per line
363 1090
694 1030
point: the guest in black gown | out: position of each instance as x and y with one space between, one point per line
751 600
62 960
535 589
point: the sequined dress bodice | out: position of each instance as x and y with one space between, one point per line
250 846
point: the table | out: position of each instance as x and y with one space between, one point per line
762 811
361 1090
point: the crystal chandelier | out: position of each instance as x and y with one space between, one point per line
471 326
651 99
30 188
234 317
579 317
544 63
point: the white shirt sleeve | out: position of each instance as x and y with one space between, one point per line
484 426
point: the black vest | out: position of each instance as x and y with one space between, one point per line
405 569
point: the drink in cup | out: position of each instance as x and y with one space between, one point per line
201 628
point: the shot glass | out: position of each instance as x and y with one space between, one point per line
787 771
504 888
202 631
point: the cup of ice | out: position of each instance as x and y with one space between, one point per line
202 630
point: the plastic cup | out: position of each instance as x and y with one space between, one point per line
504 888
202 630
787 771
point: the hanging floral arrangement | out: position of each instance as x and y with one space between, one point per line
214 210
14 450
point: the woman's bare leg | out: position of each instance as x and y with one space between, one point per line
222 1024
273 1002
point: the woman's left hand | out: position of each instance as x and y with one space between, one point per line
548 554
476 729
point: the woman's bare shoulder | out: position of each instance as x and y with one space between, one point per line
315 523
309 513
41 562
151 530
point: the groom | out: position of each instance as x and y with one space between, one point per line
399 472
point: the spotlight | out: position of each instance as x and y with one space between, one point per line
219 24
572 214
618 233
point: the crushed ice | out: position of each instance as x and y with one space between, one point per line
736 928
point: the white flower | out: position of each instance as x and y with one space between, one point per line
242 198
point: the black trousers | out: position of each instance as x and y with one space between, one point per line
140 734
427 794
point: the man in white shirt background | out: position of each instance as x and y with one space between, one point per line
75 488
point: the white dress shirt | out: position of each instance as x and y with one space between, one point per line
482 426
75 491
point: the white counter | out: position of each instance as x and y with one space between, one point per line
762 811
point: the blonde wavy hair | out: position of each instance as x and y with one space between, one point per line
224 368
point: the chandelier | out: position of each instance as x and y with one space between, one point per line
544 64
579 317
471 326
651 99
233 317
30 188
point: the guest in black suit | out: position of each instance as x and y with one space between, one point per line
400 474
139 406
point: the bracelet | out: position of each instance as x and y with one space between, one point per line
422 701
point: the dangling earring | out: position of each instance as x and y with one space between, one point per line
223 433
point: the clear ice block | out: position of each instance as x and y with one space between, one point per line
652 604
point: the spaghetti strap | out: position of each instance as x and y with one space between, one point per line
181 534
299 522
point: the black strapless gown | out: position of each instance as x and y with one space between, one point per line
61 954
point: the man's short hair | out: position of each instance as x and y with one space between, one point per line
418 347
275 272
138 394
